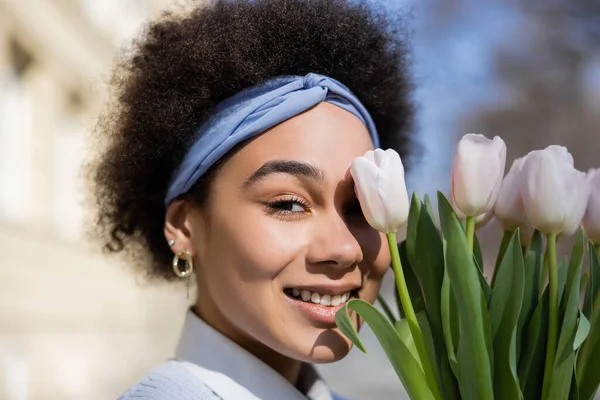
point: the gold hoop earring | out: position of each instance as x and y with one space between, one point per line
187 271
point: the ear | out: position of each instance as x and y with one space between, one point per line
178 226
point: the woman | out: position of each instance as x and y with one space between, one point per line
229 146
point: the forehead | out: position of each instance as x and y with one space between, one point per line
326 135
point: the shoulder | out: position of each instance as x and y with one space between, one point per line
335 396
171 380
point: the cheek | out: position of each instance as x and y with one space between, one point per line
375 264
383 259
376 254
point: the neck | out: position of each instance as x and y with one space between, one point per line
285 366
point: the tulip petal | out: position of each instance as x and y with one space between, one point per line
579 188
543 190
381 190
560 153
477 170
392 191
591 219
365 175
508 209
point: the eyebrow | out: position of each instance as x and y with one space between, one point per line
290 167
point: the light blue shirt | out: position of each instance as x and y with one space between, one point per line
209 366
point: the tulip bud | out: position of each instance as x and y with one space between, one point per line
554 193
477 170
591 219
480 221
380 188
508 209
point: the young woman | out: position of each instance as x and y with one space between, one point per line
229 146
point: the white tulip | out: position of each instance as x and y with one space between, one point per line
381 190
554 193
591 219
508 209
477 170
480 221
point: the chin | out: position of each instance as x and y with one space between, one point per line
330 346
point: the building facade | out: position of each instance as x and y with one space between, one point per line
73 324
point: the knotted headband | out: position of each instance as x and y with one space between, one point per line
253 111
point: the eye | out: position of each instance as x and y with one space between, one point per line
288 206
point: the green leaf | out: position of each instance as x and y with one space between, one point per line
563 269
427 263
411 227
403 330
406 366
429 208
423 320
588 361
506 236
574 392
386 308
477 253
593 283
562 377
583 330
505 306
560 384
485 287
533 354
450 323
531 293
474 367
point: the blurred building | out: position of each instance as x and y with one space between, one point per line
72 324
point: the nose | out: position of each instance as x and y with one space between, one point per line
334 244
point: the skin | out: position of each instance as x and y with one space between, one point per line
284 229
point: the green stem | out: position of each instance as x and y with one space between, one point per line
386 308
553 313
597 247
470 232
409 311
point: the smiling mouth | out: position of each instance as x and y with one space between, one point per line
327 300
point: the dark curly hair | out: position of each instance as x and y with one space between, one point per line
168 83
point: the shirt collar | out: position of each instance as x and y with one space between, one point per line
235 374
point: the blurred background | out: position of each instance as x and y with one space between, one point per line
77 325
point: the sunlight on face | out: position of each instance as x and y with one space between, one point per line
283 222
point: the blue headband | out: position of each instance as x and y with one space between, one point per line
253 111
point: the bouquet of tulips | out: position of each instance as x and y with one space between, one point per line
532 331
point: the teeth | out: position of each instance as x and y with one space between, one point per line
336 300
315 298
305 295
319 298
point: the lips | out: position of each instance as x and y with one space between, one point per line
320 306
323 299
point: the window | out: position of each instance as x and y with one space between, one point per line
67 180
15 148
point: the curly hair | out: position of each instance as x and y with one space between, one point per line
172 77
